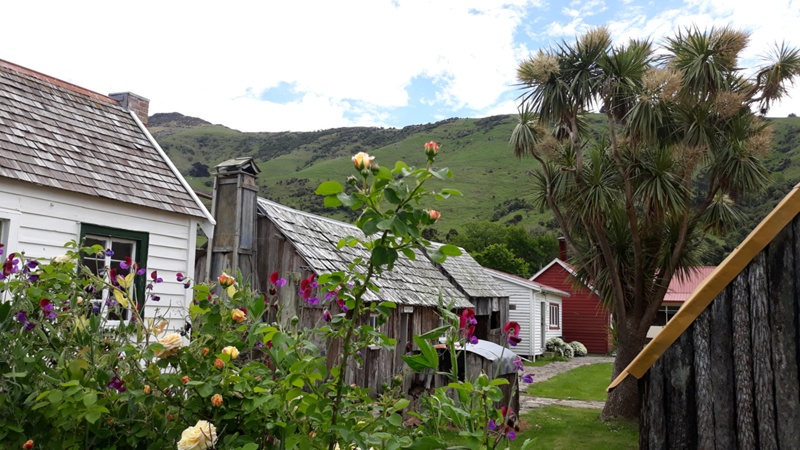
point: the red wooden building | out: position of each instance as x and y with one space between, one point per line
584 318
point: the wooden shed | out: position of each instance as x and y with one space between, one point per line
259 237
723 373
531 305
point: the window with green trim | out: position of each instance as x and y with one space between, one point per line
118 244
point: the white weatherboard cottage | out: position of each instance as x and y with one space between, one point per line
75 164
537 309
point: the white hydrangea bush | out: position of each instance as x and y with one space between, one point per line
578 348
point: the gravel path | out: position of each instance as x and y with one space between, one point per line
551 370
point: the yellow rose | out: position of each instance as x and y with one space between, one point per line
172 342
362 160
238 315
232 351
202 436
216 400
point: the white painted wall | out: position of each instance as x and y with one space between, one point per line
552 298
42 220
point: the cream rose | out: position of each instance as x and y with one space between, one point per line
62 259
202 436
362 160
232 351
172 342
238 315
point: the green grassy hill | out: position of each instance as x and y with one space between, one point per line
496 185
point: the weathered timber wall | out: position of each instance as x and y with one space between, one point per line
732 381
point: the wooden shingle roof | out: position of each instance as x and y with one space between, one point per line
471 276
415 283
62 136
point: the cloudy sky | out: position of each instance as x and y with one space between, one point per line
305 65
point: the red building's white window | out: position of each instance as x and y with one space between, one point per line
555 316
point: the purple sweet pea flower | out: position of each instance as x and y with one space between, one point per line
141 271
528 378
117 384
518 364
95 309
281 282
179 276
187 285
313 301
109 252
155 298
29 326
492 425
326 316
21 316
33 278
512 435
473 340
32 264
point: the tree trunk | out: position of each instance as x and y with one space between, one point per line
624 400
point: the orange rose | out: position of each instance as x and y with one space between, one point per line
226 280
219 364
185 379
434 215
170 417
216 400
205 351
238 315
362 160
28 445
147 389
431 148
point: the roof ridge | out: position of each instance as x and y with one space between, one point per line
57 82
308 214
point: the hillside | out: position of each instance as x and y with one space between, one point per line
496 186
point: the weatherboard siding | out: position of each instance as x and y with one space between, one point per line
584 319
42 220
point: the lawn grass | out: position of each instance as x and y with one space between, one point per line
582 383
562 427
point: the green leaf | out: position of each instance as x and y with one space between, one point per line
401 404
370 227
399 166
384 173
205 390
495 394
385 224
16 374
93 416
55 396
436 256
450 250
427 350
395 420
498 382
410 254
329 188
391 196
348 200
417 363
332 201
435 333
89 399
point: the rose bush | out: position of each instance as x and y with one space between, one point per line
237 375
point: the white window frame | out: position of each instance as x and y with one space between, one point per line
554 316
106 263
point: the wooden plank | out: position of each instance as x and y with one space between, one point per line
762 349
743 364
782 270
704 398
723 386
679 383
655 433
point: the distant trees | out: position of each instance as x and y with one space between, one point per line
199 170
489 243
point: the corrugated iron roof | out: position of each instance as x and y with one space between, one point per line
415 283
680 287
470 275
525 282
66 137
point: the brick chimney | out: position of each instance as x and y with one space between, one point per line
562 248
133 102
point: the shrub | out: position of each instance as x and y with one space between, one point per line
554 344
567 351
578 348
